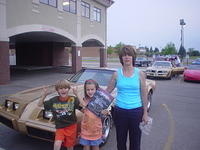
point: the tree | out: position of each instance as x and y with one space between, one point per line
169 49
119 46
182 52
110 50
193 52
156 50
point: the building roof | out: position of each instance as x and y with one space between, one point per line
106 3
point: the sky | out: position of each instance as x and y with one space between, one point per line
154 23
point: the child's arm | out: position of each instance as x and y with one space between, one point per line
82 102
41 101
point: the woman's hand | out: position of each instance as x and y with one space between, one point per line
145 118
105 112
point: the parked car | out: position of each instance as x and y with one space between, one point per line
163 69
142 61
21 112
196 62
192 73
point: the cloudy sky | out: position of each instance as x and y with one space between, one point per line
154 23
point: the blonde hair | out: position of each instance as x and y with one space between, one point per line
62 84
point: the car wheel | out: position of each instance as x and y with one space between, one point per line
149 98
107 124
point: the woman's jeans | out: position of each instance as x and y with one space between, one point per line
127 121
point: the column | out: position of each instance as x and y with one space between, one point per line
103 59
4 46
76 59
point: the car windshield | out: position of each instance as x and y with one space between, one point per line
194 67
141 58
101 76
162 64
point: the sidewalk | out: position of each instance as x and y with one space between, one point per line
21 80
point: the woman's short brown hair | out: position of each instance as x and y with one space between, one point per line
62 84
127 50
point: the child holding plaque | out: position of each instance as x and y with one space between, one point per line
91 125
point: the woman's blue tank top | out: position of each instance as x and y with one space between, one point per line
128 90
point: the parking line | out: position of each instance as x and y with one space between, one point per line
170 137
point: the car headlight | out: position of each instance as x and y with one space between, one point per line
8 104
15 106
47 114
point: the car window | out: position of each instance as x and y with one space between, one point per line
165 64
141 58
101 76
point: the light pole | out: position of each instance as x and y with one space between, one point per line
182 23
182 51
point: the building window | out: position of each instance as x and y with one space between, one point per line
69 6
97 14
85 9
49 2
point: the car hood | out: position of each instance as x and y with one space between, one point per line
159 68
33 94
192 72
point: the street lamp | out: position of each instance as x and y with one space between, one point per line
182 51
182 23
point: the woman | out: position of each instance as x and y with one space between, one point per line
131 102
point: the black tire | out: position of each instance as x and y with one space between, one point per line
149 98
107 125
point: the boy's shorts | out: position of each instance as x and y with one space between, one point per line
68 135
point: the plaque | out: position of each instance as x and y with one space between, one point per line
100 101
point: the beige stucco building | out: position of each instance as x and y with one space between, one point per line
40 31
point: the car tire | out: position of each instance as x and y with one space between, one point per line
149 98
107 125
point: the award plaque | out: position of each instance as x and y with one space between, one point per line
100 101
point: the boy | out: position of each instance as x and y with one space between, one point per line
63 109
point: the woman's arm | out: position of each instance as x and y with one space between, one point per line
144 95
112 83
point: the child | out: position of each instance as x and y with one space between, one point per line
91 125
63 108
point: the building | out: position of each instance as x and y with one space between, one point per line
41 31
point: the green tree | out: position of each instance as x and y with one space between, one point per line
169 49
195 53
182 52
156 50
190 50
147 53
119 46
110 50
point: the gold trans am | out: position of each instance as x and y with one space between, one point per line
21 112
163 69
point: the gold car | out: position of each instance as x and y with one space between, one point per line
163 69
21 112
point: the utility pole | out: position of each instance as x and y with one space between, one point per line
182 51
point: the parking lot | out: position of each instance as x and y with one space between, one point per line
175 112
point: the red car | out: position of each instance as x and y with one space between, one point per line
192 73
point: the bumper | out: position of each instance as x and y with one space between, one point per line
159 75
8 120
